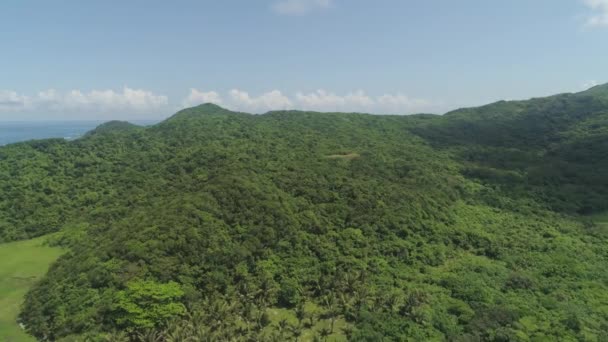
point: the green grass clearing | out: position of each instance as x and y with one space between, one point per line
345 156
22 263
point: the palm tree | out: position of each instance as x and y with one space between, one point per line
300 313
262 320
361 296
296 332
324 332
117 336
329 301
333 318
283 325
311 317
151 335
332 311
348 332
177 332
347 306
393 301
275 337
219 310
349 281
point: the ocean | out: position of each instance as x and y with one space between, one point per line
12 132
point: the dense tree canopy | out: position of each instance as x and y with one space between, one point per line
216 225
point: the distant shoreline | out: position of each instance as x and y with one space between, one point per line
20 131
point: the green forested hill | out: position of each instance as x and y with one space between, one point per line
551 149
216 225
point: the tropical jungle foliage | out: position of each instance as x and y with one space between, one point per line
214 225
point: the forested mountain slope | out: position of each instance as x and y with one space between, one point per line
554 149
218 225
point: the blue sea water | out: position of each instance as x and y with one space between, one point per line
11 132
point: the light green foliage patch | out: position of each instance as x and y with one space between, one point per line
145 303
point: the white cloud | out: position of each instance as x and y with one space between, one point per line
320 100
600 13
240 100
77 101
10 100
103 100
399 102
590 84
197 97
326 101
300 7
131 103
359 101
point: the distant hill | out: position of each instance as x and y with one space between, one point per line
113 126
478 225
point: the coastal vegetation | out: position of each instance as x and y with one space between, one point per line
484 224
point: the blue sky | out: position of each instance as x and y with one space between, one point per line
146 59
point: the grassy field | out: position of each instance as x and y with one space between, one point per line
21 264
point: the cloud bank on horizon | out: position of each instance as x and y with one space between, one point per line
138 103
95 101
129 103
320 100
